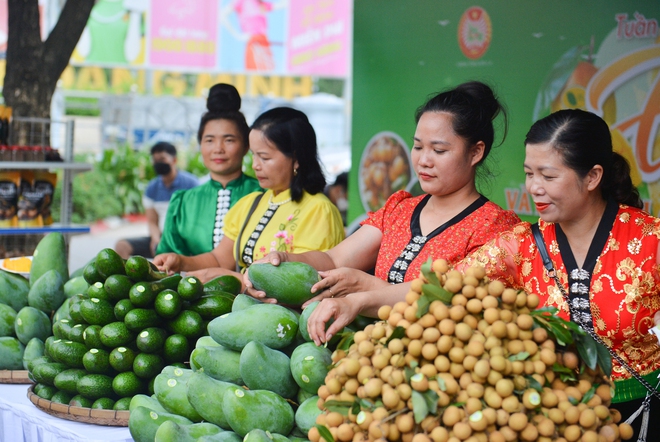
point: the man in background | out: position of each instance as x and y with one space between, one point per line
155 200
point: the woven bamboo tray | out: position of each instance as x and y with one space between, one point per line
80 414
14 377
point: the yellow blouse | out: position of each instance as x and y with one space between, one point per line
314 223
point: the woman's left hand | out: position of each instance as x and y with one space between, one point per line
205 275
342 310
341 282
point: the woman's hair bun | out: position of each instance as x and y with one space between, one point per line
223 97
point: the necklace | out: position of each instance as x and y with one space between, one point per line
271 203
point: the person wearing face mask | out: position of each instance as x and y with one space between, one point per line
195 218
156 199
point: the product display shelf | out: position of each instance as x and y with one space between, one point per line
69 167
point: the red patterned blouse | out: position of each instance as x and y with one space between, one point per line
403 249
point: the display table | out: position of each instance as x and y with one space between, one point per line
21 421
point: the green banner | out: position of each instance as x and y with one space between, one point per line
539 56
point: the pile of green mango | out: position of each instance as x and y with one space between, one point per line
122 324
254 378
27 306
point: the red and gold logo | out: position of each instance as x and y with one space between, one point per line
474 32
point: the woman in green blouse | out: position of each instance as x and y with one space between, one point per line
195 217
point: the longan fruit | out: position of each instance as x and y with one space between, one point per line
459 299
504 387
521 299
410 313
444 344
531 399
439 310
495 288
457 312
451 416
453 284
506 316
533 301
405 422
394 319
515 346
482 368
419 437
570 360
429 351
462 430
493 400
509 296
525 322
518 421
334 419
395 346
384 312
493 377
469 291
475 390
463 331
511 404
556 415
441 363
489 302
545 427
572 415
540 335
419 382
415 347
439 434
411 297
314 435
572 433
512 330
431 334
427 321
416 285
447 326
456 355
439 266
405 391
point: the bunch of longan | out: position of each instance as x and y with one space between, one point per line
489 367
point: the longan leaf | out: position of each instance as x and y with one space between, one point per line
340 407
325 433
346 340
434 292
431 398
586 347
533 383
441 383
604 359
422 306
398 333
420 409
429 274
565 373
589 394
519 356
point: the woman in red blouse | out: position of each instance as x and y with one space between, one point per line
454 136
604 248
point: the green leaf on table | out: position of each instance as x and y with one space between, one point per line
429 274
325 433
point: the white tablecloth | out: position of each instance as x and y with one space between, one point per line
22 421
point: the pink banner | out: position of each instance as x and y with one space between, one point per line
183 33
319 37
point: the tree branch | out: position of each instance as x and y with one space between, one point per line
62 40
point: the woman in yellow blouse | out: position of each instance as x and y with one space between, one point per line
293 215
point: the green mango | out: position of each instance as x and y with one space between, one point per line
50 254
143 423
63 311
243 301
11 353
7 320
75 286
13 290
32 323
218 362
246 410
309 366
170 431
225 436
224 283
205 395
272 325
206 341
33 349
307 413
171 390
263 368
150 402
47 292
289 282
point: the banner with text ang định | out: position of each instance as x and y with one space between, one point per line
539 57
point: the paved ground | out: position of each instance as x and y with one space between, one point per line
82 248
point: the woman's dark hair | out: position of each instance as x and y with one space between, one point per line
290 131
583 139
473 107
223 103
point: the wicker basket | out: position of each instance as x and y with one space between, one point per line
79 414
14 377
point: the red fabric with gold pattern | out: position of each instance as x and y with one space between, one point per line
393 220
625 284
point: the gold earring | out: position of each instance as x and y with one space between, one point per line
295 172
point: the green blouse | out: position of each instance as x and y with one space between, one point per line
195 217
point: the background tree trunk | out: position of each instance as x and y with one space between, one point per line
33 66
